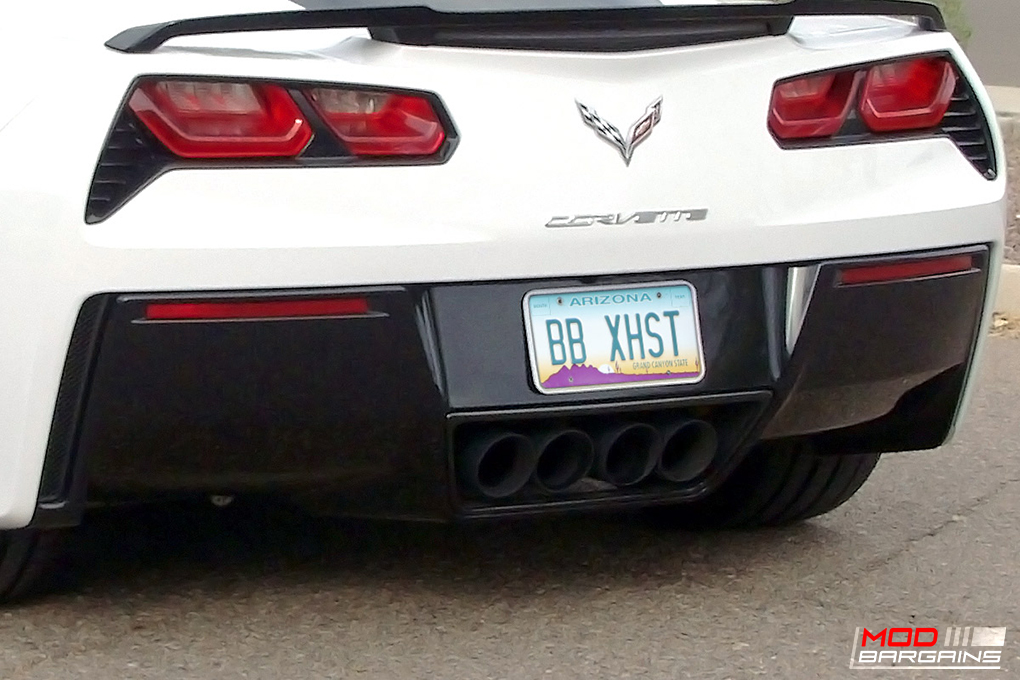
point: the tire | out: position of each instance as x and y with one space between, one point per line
28 562
776 485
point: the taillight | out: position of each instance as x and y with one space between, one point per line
189 122
899 96
907 95
380 123
199 119
816 106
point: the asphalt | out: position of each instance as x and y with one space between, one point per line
993 46
260 592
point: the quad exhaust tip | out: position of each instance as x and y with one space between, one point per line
689 447
564 458
497 464
627 453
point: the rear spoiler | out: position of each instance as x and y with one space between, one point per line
585 29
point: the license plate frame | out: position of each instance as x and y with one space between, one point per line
681 379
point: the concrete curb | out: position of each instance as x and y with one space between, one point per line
1008 301
1007 106
1010 127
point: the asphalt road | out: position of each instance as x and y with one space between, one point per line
994 47
931 540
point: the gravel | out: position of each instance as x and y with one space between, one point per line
1013 231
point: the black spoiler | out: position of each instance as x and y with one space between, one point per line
601 29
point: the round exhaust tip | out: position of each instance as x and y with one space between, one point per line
497 464
627 454
690 447
564 458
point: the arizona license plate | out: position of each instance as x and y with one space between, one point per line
585 339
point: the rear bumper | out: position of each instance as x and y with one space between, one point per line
373 410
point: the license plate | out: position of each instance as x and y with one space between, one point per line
585 339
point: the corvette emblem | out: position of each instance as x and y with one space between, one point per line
638 132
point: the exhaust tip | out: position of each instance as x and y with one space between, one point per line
564 458
690 447
627 454
498 464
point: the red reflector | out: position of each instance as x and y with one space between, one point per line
816 106
260 309
899 271
380 123
908 95
222 120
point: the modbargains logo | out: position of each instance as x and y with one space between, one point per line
952 648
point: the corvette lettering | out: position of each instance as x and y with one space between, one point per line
621 219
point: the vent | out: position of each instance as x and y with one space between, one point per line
70 403
129 161
966 125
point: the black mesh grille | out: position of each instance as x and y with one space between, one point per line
70 400
129 161
967 126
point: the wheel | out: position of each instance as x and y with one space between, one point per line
777 484
28 561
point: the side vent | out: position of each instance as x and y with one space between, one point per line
966 125
70 403
129 161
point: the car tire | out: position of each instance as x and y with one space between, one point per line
28 562
776 485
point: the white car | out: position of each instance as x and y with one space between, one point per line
481 260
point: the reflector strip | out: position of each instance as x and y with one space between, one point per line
261 309
917 269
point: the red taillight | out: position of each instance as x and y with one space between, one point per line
198 119
898 271
380 123
907 95
899 96
256 309
816 106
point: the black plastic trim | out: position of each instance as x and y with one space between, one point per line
143 39
601 37
62 487
842 376
118 179
489 343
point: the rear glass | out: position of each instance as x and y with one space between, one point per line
520 5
